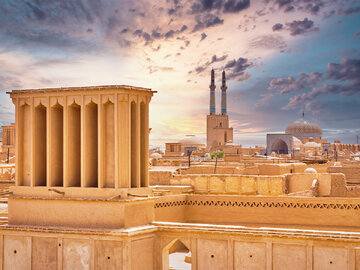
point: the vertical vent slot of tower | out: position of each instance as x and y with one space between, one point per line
143 137
109 145
74 146
57 142
134 146
40 145
25 145
91 145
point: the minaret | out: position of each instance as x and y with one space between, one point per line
212 93
223 94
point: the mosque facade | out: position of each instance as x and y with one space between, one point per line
300 137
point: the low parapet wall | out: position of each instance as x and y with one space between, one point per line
330 185
280 169
210 169
233 184
160 177
352 173
261 210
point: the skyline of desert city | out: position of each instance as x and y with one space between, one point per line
180 134
281 57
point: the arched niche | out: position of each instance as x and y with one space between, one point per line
143 145
279 146
109 144
24 159
74 145
40 145
91 144
134 144
56 145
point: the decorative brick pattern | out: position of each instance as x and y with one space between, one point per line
259 204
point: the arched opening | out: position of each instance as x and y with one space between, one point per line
176 255
279 147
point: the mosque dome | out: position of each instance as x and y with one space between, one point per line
191 140
304 129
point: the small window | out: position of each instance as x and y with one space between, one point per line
172 148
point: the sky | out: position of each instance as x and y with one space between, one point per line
281 58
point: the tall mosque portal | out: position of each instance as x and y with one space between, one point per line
218 132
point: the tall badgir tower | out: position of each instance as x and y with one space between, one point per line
218 132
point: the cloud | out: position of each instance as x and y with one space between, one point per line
64 25
203 36
206 5
289 84
311 6
315 107
237 69
349 11
347 70
277 27
141 33
156 34
8 82
233 6
153 69
268 42
200 69
205 21
301 27
229 6
264 100
214 59
344 73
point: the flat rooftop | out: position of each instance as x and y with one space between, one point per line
82 88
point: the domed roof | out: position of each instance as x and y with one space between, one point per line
191 139
303 128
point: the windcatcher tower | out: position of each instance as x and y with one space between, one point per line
82 157
218 132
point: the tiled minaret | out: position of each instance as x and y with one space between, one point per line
223 94
212 93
